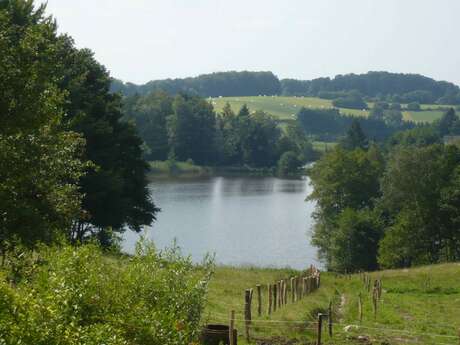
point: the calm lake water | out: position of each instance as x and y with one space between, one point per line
259 221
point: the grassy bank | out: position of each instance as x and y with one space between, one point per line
175 168
159 169
417 306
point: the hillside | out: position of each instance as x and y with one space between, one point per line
391 87
417 306
285 108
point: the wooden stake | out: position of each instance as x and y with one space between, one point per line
259 300
279 294
275 293
330 319
320 327
292 290
374 302
269 299
360 308
282 292
285 292
247 312
232 327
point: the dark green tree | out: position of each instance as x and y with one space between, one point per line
355 137
342 179
40 161
116 196
289 164
447 122
191 129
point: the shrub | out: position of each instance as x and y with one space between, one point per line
289 164
81 296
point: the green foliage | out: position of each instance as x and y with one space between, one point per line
412 187
40 162
355 138
79 296
419 136
289 164
449 123
194 131
191 129
208 85
354 243
345 180
116 196
352 100
414 106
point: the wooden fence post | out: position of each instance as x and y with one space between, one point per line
320 327
278 296
330 319
292 290
282 292
259 300
285 292
247 312
269 299
232 327
275 293
360 308
374 301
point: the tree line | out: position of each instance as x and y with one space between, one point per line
186 127
209 85
331 125
69 167
394 204
383 86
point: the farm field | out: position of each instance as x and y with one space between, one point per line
285 108
417 306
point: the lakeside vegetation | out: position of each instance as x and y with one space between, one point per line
74 177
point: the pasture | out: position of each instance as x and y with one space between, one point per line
285 108
417 306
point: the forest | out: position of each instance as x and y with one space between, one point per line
383 86
185 127
390 205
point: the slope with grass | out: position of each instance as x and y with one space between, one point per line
285 108
417 306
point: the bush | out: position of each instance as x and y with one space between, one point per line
81 296
414 106
289 164
352 101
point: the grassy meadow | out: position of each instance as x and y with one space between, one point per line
417 306
285 108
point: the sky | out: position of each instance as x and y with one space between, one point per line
143 40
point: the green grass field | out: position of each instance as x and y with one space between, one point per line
285 108
417 306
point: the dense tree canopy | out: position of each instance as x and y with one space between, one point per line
39 160
392 87
56 100
186 127
209 85
391 207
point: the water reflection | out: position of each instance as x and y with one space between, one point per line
244 220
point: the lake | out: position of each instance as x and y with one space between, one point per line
250 221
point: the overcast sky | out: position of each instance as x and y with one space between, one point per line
141 40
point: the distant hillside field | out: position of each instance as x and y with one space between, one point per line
285 108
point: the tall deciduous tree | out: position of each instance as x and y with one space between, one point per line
39 160
115 192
